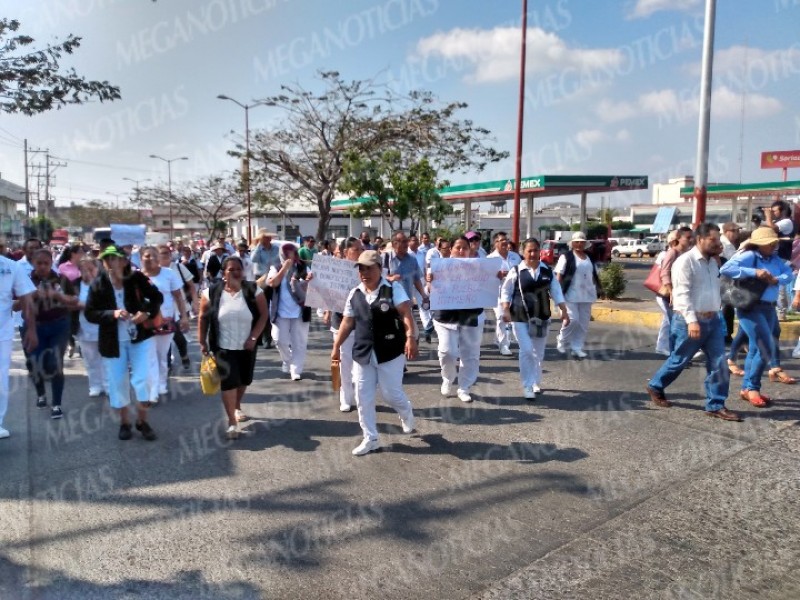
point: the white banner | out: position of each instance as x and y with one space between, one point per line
333 279
124 235
464 283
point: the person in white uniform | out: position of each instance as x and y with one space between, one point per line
351 250
290 319
89 333
15 283
525 300
509 261
459 333
378 313
578 278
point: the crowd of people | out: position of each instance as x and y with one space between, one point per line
127 312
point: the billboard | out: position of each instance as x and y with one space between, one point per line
780 159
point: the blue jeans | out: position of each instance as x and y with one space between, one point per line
712 342
761 326
47 360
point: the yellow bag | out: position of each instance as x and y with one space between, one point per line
209 375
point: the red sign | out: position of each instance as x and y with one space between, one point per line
780 159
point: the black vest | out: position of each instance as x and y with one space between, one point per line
535 293
378 327
785 246
569 272
467 317
214 296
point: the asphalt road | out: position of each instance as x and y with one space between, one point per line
590 492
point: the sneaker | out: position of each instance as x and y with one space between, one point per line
561 348
663 352
408 425
536 389
56 413
579 354
146 430
240 416
365 447
345 408
446 389
698 355
528 393
94 393
41 402
796 351
70 351
464 396
295 375
232 433
284 368
4 433
125 431
505 351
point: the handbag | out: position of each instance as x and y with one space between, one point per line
209 375
653 281
742 293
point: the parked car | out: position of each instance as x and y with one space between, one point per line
637 248
655 244
551 250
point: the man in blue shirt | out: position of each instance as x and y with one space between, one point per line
401 266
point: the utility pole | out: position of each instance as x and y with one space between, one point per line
27 189
520 119
701 169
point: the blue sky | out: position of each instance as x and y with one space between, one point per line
612 86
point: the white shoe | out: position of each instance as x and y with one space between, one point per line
154 401
365 447
528 393
240 416
4 433
561 349
232 433
408 425
796 351
345 407
536 389
464 396
698 355
294 375
94 393
505 351
446 389
579 354
663 352
284 368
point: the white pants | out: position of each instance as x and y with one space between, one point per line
5 382
531 354
502 330
573 336
160 370
462 343
389 377
98 382
291 338
424 315
662 341
347 393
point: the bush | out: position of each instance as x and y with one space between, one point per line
612 278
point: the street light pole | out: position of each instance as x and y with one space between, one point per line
520 120
246 163
169 162
136 187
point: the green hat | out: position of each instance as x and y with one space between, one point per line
111 251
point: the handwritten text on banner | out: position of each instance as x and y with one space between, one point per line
333 279
464 283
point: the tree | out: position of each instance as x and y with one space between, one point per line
41 227
607 215
32 81
212 200
394 188
99 214
303 157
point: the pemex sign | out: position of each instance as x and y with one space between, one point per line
780 159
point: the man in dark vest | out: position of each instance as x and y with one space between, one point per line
779 217
378 313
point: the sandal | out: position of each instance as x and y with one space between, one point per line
735 369
779 375
755 398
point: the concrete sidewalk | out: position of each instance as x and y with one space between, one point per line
590 492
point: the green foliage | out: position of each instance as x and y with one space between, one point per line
32 81
396 189
595 232
612 278
622 225
41 227
607 215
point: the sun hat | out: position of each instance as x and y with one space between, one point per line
472 235
369 258
763 236
672 236
217 246
111 251
578 236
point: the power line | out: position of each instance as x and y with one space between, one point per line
103 165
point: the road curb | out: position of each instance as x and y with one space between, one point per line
652 320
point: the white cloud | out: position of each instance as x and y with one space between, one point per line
589 137
611 112
83 145
623 135
645 8
494 53
752 68
727 104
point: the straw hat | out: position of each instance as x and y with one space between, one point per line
763 236
579 236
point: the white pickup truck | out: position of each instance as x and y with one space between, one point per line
637 248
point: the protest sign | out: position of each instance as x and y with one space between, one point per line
464 283
333 279
124 235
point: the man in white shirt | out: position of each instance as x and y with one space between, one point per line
15 283
502 330
696 324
